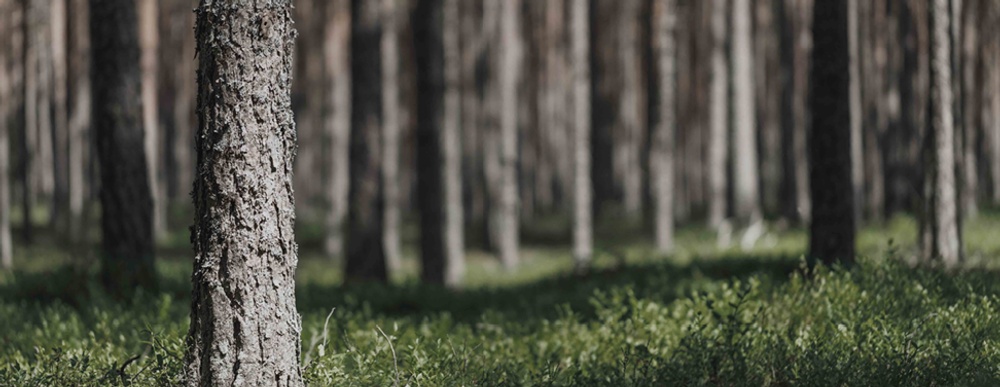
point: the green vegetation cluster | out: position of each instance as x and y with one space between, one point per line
726 318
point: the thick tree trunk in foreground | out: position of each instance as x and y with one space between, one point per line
337 119
662 147
438 141
718 117
746 182
583 229
940 215
831 234
244 326
366 257
126 205
510 74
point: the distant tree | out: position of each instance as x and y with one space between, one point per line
6 259
746 179
941 238
337 118
366 256
392 131
439 184
583 233
126 204
245 329
60 122
662 142
831 234
149 40
718 139
510 58
80 110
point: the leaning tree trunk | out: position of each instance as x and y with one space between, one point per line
583 234
509 79
244 326
126 204
940 215
439 179
746 183
718 117
831 234
661 154
366 257
337 119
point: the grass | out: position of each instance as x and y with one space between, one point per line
702 316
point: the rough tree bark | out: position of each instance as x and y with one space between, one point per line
831 233
662 147
746 181
510 59
718 117
583 234
366 256
245 329
940 215
391 134
438 141
337 119
126 205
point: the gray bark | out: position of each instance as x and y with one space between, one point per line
337 119
631 107
79 112
718 117
245 329
941 198
583 238
391 132
60 129
149 36
126 205
857 160
6 258
510 59
746 182
662 151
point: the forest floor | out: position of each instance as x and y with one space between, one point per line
702 316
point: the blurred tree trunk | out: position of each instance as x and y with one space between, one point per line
583 215
768 95
604 87
244 325
510 61
972 105
126 203
857 161
366 255
79 114
60 129
799 13
831 238
940 214
718 148
44 173
631 107
662 147
439 179
746 181
6 258
391 133
337 119
149 36
29 137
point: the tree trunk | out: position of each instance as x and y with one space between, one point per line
940 202
60 127
718 148
857 160
126 205
80 113
510 59
583 238
337 119
6 258
245 329
746 183
662 148
391 132
631 107
30 118
366 256
149 36
831 234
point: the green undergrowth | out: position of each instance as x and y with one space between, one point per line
700 317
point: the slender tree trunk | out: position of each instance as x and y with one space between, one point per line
746 181
391 129
631 108
149 35
510 59
718 148
662 152
583 238
857 157
6 257
60 129
337 119
941 201
126 205
80 113
30 118
971 105
245 329
831 234
184 105
366 256
45 166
